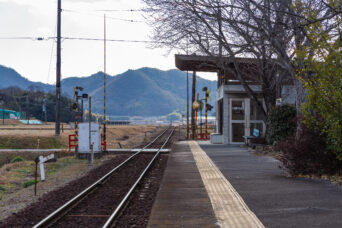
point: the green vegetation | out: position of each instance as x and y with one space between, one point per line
281 123
12 142
321 75
316 149
31 102
29 183
17 159
19 175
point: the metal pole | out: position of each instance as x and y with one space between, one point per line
187 105
104 84
58 69
35 176
206 115
82 119
192 102
90 144
201 123
76 117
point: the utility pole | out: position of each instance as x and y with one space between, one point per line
192 102
76 115
104 85
58 70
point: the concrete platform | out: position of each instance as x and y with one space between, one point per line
182 200
209 185
278 200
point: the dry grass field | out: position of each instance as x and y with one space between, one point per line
16 178
18 136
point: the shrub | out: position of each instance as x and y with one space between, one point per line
2 189
29 183
307 155
17 159
281 123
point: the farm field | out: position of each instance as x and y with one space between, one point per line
14 135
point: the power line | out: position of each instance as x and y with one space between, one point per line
94 15
111 40
78 38
53 45
110 10
122 10
24 38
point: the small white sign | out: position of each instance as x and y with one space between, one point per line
41 165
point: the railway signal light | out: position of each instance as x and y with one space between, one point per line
208 107
74 106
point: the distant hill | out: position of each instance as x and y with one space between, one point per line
9 78
141 92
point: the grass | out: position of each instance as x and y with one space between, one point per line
17 159
29 183
19 175
30 142
7 157
14 175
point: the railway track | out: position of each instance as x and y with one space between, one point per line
101 203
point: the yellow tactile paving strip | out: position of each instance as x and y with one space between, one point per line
230 209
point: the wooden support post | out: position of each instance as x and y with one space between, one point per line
35 176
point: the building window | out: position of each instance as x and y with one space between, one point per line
256 112
238 130
238 110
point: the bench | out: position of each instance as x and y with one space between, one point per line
256 134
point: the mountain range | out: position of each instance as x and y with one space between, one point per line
141 92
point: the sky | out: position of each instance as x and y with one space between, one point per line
36 60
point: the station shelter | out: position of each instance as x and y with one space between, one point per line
237 115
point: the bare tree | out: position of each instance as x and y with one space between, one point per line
266 30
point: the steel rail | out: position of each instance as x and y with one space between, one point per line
122 203
54 215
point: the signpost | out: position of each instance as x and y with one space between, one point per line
41 160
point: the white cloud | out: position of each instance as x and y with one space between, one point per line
38 18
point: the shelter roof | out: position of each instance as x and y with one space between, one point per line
205 63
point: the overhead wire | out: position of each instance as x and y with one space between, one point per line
109 10
81 38
22 38
108 17
125 10
111 40
51 54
